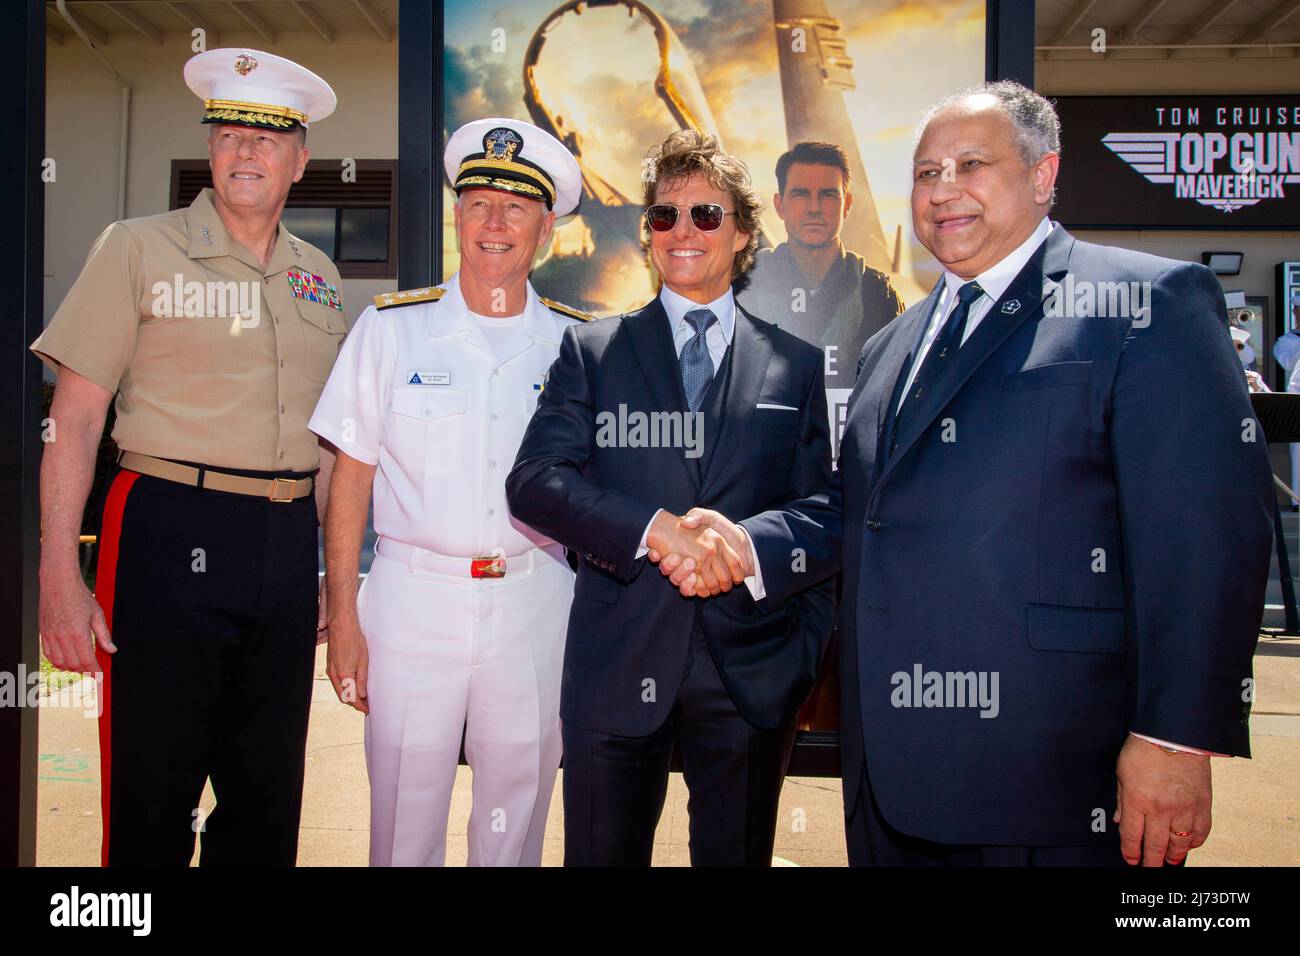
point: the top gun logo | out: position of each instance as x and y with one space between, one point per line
1226 171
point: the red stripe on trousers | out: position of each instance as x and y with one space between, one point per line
105 585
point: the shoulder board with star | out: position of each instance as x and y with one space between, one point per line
390 300
563 309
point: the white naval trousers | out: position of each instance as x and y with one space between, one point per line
448 653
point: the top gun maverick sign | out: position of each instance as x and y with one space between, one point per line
1180 162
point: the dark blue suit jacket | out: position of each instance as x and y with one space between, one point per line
628 625
1083 509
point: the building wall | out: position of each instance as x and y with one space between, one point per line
1071 74
83 109
1263 250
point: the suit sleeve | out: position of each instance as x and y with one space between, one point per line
812 474
548 488
798 545
1194 492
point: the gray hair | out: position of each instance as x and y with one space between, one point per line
1037 127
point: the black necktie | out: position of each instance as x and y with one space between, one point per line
936 363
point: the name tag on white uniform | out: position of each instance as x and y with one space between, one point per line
429 378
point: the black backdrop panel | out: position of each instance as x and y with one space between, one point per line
1179 162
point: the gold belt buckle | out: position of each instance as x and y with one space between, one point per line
289 483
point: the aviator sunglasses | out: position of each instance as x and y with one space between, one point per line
707 216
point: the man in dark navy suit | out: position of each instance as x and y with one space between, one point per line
690 400
1052 518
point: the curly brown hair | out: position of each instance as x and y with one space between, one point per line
689 151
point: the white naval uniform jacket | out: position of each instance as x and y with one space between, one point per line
418 391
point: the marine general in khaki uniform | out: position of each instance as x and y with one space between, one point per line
214 330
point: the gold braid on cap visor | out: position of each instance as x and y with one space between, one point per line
508 185
282 116
517 168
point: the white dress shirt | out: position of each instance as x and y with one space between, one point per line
994 281
718 337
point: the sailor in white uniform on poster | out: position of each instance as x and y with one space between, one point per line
461 622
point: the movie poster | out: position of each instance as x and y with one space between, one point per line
612 78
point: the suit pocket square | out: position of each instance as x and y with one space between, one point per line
777 408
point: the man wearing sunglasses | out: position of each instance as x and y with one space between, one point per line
690 400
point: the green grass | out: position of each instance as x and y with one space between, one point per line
52 678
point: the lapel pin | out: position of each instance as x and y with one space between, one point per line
1011 307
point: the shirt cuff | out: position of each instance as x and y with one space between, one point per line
755 581
1178 747
642 549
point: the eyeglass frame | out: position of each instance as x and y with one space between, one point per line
677 213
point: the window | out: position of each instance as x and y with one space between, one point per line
354 223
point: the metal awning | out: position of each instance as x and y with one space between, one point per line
1164 29
256 23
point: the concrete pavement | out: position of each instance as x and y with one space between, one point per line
1256 802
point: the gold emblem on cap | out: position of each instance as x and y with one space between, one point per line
501 144
245 64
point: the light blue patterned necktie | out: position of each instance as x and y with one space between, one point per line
697 363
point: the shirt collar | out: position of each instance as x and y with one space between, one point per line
285 254
539 321
998 278
207 233
208 237
724 307
454 315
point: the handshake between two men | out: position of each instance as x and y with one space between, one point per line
701 553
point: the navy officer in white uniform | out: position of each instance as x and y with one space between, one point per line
460 624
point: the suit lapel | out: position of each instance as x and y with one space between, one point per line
897 360
652 341
1023 300
751 351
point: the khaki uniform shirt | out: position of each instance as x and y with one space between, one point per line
213 358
